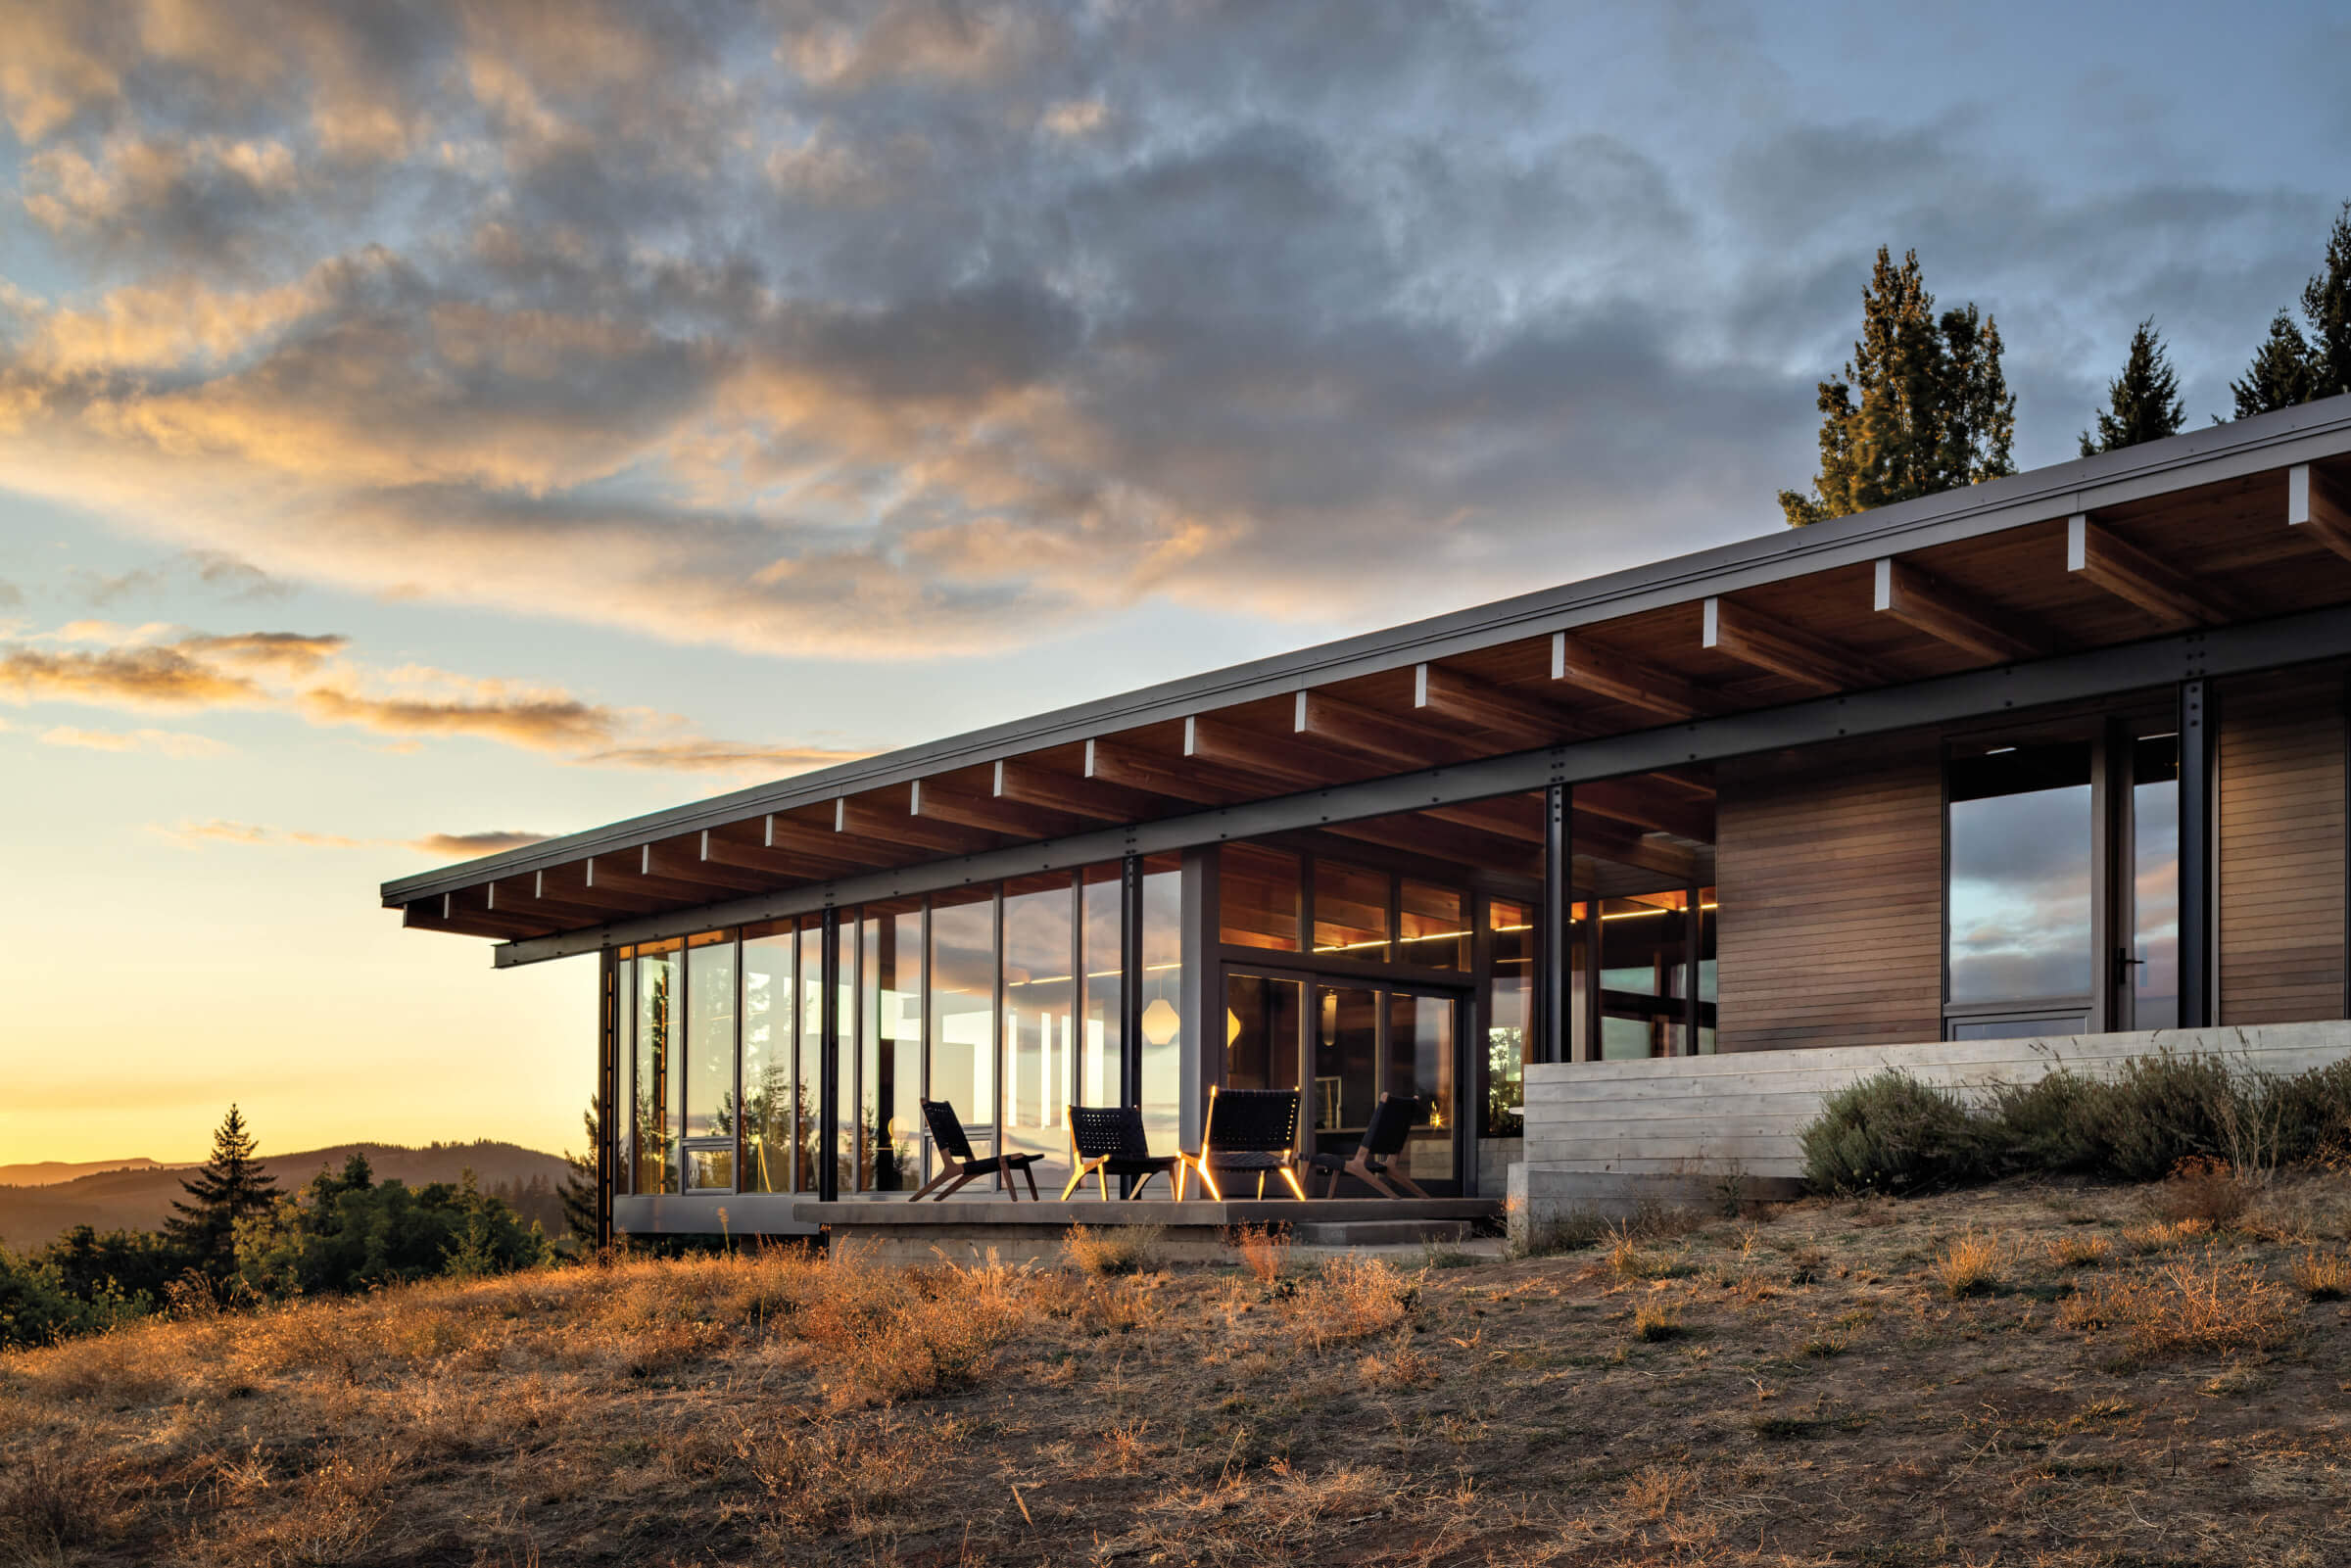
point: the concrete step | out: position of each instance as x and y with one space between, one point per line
1378 1233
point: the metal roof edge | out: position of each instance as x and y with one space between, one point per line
2206 456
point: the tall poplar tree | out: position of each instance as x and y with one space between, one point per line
1922 407
2143 404
230 1186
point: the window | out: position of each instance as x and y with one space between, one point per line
658 1123
1261 1031
1101 1062
2019 890
963 1007
770 1009
1162 981
1510 1017
708 1159
1040 1041
1643 945
1260 893
889 1032
1351 912
809 1148
1433 926
2155 884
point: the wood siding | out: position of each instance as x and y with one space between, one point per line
1830 870
2280 843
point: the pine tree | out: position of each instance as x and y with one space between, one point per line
1922 407
2144 401
2327 307
2282 374
579 1184
230 1186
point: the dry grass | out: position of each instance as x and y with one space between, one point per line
2080 1250
1968 1267
1264 1251
2201 1188
1657 1320
2323 1276
2171 1406
1112 1250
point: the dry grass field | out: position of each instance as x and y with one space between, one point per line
2031 1375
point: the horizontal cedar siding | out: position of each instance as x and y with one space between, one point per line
1830 870
2281 848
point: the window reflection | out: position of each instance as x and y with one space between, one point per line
1351 911
1100 1063
769 1028
2020 875
1261 1031
2155 883
963 1007
657 1124
1161 1001
709 1080
1345 1064
1039 1042
889 1025
1510 1017
1259 893
1433 926
1643 945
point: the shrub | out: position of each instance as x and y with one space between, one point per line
1351 1298
2219 1308
2203 1188
1892 1133
2323 1276
2079 1250
1968 1267
1112 1250
2046 1124
1265 1251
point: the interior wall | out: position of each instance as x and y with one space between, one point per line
2279 842
1829 865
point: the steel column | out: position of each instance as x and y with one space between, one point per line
2197 777
1554 1035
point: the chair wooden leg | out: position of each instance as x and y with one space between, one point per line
1406 1182
960 1178
1291 1176
1142 1181
1363 1173
945 1172
1028 1174
1078 1177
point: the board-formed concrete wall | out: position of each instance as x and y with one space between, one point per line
1611 1135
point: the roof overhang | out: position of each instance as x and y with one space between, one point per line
2156 545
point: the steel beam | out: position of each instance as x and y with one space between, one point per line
2162 661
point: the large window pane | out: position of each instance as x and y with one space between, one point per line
2020 877
658 1125
846 1162
769 1028
710 1109
1259 894
890 1022
1351 911
1163 1021
809 1085
1644 942
1346 1054
1098 1058
1261 1031
623 1115
2155 884
1039 1036
1421 1063
963 1008
1433 926
1510 1017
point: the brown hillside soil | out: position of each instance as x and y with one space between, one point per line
2033 1375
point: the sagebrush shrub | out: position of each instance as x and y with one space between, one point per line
1892 1133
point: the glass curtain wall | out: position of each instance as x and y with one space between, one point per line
770 1030
1644 948
1101 1058
1162 981
808 1145
656 1126
2154 958
846 1123
1510 1017
1040 1049
708 1104
889 1034
2019 835
963 1008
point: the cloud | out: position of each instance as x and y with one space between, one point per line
9 594
174 744
310 676
193 834
908 329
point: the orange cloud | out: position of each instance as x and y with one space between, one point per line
132 677
168 742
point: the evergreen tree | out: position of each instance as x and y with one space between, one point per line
2282 374
579 1184
231 1186
2144 401
2327 306
1922 407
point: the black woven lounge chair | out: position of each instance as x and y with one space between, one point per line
1247 1130
1392 1122
1107 1141
955 1157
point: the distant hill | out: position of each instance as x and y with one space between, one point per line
49 1172
138 1195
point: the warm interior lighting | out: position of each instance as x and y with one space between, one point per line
1161 1022
1232 1027
1993 751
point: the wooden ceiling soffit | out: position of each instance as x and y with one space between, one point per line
1597 839
2315 504
688 861
632 871
728 846
1629 800
1770 643
1128 767
1225 744
570 883
1510 817
1920 599
1366 731
1095 799
455 912
2130 573
526 897
1579 662
864 817
1441 840
796 837
936 802
1473 704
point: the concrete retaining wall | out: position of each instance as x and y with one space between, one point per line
1611 1135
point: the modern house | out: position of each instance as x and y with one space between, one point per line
2059 756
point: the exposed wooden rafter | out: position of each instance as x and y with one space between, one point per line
1917 598
1580 662
731 845
1225 744
877 818
1096 799
1770 643
1443 840
937 802
1364 730
2316 506
1475 704
1635 802
2128 572
1131 767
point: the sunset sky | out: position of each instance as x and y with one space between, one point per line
423 424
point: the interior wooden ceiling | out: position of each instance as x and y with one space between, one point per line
2207 555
